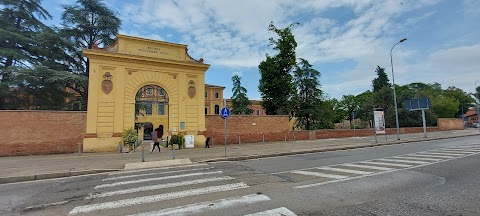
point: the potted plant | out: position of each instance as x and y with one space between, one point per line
129 138
177 139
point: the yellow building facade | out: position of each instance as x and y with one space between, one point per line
137 81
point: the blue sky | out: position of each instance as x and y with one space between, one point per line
344 39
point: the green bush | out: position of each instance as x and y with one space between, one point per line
129 136
177 139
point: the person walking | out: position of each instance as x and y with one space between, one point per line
206 142
155 135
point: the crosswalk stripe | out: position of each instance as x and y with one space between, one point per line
319 174
417 158
160 168
345 170
274 212
366 166
402 161
155 179
384 164
464 149
210 205
445 154
156 187
156 198
457 152
149 174
433 156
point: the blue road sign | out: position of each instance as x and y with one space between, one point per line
417 104
225 112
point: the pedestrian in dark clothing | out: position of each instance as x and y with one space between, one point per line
206 142
155 140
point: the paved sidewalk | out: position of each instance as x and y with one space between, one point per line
25 168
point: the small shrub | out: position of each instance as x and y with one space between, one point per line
177 139
129 136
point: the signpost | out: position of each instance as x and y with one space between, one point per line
419 104
379 121
225 113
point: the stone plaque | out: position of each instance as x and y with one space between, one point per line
107 84
191 89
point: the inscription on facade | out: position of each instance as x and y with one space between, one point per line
154 50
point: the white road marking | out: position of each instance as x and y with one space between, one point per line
345 170
432 156
366 166
274 212
210 205
445 154
154 179
456 152
417 158
402 161
156 187
161 168
150 174
156 198
384 164
378 173
464 149
319 174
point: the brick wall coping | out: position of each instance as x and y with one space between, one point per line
52 111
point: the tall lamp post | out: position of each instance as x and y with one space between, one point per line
394 92
477 100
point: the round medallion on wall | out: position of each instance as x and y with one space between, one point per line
107 84
191 89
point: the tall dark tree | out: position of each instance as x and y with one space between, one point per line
349 104
88 23
240 101
309 94
19 24
276 82
381 80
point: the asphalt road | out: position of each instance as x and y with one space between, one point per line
428 178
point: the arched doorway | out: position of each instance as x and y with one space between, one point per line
151 110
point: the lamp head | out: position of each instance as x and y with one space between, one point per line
403 40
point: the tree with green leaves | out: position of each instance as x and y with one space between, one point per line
381 80
240 101
85 24
349 103
309 95
465 99
19 25
276 82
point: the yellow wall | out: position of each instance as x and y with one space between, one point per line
134 63
211 101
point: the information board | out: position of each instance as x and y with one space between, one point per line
379 120
189 141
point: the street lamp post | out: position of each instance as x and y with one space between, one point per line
394 91
477 100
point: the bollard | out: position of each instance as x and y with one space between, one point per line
285 138
143 154
173 146
239 140
119 148
79 149
294 137
212 140
263 137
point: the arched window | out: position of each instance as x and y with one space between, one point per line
217 109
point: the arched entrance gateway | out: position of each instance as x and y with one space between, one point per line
143 84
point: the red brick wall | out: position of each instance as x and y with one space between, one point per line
250 128
40 132
275 128
450 123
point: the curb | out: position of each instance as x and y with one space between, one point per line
13 179
241 158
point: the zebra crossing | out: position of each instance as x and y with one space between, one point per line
171 191
354 170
